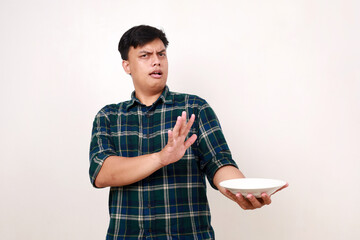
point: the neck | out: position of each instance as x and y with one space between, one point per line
147 99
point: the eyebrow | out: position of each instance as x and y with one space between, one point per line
144 51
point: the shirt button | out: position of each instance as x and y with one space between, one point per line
149 205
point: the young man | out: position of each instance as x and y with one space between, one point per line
155 150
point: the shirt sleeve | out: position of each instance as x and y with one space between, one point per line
101 145
214 152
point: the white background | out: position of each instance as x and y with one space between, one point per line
282 76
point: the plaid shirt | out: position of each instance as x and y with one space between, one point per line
171 203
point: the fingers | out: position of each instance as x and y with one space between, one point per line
243 202
190 141
170 136
183 121
176 130
240 200
285 186
249 202
266 198
256 202
189 124
182 127
232 196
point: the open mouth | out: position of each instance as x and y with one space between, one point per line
156 74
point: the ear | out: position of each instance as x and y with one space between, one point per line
126 66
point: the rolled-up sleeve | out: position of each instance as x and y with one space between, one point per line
101 145
214 152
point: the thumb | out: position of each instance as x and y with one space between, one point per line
190 141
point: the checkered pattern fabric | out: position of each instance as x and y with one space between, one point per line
171 203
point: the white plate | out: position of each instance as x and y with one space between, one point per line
254 186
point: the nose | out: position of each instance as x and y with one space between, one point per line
156 61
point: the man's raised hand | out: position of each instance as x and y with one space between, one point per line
176 146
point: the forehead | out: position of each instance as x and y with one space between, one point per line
156 45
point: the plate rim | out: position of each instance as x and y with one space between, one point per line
281 183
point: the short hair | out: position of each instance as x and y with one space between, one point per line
139 36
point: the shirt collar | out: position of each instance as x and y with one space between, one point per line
166 97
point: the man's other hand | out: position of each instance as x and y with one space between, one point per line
250 202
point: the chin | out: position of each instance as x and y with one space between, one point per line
158 87
158 84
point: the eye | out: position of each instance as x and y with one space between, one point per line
162 54
143 55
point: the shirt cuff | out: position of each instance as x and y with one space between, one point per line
95 166
220 160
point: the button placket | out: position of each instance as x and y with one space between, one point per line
148 124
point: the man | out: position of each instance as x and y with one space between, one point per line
155 150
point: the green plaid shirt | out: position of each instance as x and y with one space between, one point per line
171 203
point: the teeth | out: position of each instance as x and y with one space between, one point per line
157 73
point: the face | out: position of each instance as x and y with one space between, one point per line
148 67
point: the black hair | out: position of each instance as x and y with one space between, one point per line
139 36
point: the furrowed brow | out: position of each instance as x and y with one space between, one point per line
144 51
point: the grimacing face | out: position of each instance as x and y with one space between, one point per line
148 66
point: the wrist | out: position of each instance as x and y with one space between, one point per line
158 159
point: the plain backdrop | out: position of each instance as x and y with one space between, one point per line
282 76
